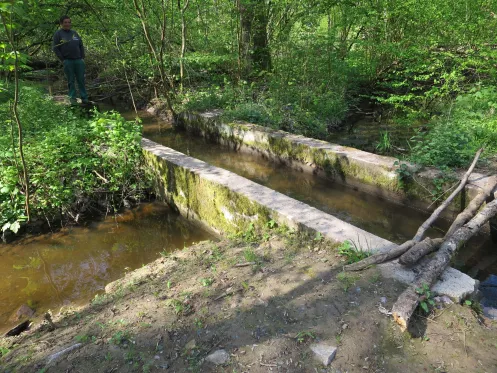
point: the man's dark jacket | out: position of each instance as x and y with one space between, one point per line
68 45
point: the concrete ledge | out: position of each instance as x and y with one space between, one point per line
229 203
369 172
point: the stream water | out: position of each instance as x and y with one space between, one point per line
75 264
382 217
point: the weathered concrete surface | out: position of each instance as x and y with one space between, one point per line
369 172
229 203
453 283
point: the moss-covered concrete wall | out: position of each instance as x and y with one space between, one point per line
369 172
230 203
196 197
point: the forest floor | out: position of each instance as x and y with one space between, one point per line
174 313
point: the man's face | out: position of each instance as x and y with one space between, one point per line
66 24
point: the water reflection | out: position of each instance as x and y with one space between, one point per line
73 265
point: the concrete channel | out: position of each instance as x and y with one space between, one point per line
229 203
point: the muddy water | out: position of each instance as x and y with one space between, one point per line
379 216
71 266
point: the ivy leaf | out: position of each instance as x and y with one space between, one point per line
424 306
14 227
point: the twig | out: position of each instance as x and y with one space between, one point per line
64 351
101 177
244 264
442 194
268 365
228 293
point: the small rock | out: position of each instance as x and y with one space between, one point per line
190 345
358 290
324 352
218 357
446 300
345 326
23 312
383 300
157 357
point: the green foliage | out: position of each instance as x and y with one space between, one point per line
121 337
73 163
384 146
206 282
250 256
351 252
470 122
426 301
305 336
347 280
3 351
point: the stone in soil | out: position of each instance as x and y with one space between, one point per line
23 312
324 352
218 357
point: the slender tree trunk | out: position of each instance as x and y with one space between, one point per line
25 178
182 10
158 59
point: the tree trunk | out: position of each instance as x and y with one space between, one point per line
405 305
182 10
254 55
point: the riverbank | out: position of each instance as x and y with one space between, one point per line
265 305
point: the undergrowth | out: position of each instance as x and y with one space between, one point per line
76 165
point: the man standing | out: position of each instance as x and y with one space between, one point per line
68 46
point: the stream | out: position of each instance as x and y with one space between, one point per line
73 265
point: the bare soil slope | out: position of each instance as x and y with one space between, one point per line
173 313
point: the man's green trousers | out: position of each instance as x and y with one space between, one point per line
75 71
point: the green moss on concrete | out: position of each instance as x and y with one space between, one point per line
214 204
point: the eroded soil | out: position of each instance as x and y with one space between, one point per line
172 313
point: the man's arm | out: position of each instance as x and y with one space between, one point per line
56 46
81 47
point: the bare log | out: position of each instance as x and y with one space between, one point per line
419 250
399 250
380 257
434 216
427 246
473 206
408 301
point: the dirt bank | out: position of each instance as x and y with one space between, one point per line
173 313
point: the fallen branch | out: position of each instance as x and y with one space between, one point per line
380 257
428 246
244 264
101 177
473 206
419 250
434 216
64 351
399 250
408 301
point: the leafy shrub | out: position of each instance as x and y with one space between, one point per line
470 122
74 164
